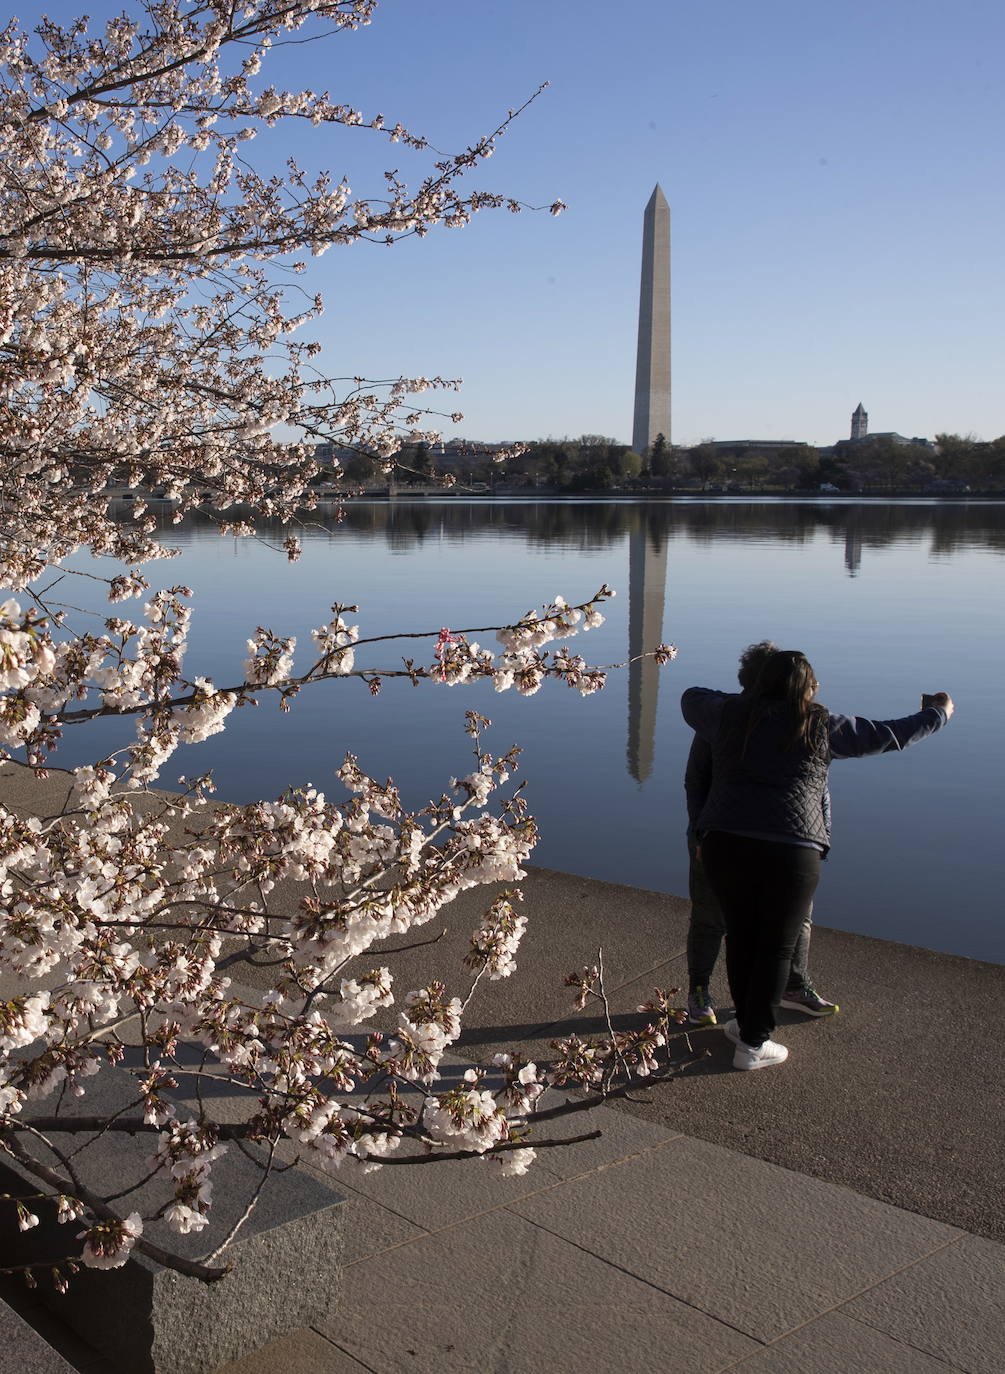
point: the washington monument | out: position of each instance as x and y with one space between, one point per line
652 369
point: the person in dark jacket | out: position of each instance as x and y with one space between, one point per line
707 925
762 829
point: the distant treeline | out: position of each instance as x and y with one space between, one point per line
593 462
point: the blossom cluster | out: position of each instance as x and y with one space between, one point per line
185 1153
144 340
132 915
524 663
54 678
127 913
145 344
107 1244
496 941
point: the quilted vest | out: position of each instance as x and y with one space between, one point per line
767 787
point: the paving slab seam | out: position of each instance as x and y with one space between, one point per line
340 1183
930 1357
426 1233
348 1353
641 1278
499 1206
611 1163
668 959
908 1345
839 1306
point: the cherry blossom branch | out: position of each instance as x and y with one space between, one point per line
147 312
504 1148
100 1209
246 1214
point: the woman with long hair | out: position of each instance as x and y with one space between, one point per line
764 829
707 926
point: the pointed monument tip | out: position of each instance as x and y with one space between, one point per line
657 194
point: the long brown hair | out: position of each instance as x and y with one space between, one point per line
787 677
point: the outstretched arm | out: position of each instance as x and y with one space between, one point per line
854 737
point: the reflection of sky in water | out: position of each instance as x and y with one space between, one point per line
887 600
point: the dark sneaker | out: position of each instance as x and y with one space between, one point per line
809 1001
699 1008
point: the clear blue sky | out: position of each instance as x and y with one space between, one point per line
835 177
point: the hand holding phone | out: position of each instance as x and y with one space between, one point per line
942 699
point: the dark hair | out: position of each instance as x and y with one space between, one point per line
752 660
787 677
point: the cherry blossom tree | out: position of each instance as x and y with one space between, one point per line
146 339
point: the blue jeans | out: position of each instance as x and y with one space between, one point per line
708 926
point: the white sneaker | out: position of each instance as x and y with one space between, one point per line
763 1057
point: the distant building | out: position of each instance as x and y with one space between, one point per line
738 448
463 450
890 436
860 435
447 452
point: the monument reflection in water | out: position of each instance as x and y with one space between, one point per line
888 599
647 578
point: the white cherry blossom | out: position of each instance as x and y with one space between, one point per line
149 345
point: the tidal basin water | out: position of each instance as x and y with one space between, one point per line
888 600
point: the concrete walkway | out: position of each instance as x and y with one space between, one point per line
724 1221
648 1250
840 1213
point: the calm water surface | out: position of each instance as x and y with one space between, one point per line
888 600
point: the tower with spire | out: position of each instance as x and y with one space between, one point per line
859 422
652 368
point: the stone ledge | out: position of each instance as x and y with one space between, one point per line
151 1320
24 1349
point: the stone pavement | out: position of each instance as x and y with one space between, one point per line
648 1250
840 1213
723 1221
